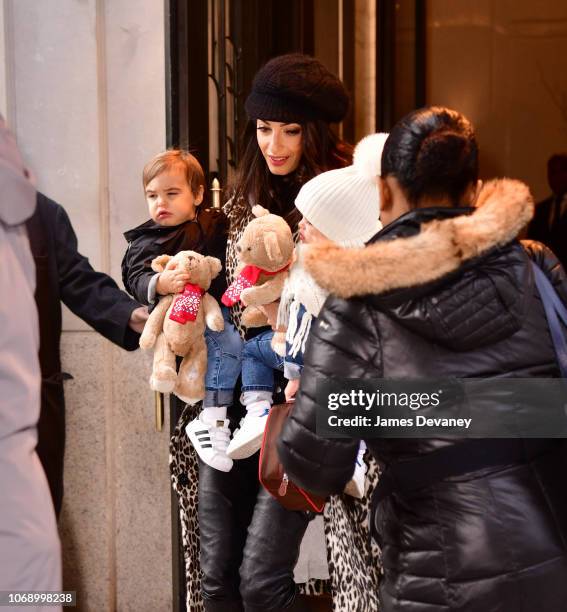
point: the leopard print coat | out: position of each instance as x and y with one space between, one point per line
354 563
232 211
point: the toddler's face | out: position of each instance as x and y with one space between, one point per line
308 234
170 199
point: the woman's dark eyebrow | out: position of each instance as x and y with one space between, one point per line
269 123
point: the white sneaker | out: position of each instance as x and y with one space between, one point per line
356 485
248 438
210 440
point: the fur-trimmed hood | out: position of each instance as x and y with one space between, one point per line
503 208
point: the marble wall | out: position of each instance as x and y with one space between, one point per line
82 83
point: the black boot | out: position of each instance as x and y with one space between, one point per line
222 606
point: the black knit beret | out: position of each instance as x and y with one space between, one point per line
296 88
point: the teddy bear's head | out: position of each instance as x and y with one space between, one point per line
267 241
201 269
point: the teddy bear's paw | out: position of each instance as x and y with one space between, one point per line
278 343
147 341
188 399
254 317
248 296
161 385
163 379
216 324
259 211
190 393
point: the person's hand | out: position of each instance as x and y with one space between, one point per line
171 281
291 389
271 312
138 319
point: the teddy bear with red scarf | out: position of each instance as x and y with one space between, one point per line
176 327
265 251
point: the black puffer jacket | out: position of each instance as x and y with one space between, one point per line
454 297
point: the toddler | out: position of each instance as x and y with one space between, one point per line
174 187
341 206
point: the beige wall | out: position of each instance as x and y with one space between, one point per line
83 86
365 67
504 64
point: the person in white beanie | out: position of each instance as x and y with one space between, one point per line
341 206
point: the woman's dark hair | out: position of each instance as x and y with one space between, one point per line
433 153
255 184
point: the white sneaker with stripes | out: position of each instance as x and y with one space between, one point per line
210 440
247 439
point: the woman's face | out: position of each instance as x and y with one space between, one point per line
281 145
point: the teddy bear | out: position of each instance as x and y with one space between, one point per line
265 251
177 326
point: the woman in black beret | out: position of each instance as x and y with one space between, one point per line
249 543
287 141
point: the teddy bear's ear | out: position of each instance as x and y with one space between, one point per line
272 246
159 263
259 211
215 266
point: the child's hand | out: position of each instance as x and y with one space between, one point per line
291 389
171 281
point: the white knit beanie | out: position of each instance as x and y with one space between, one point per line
344 204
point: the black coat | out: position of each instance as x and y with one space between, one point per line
454 300
206 234
64 275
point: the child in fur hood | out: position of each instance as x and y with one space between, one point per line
340 206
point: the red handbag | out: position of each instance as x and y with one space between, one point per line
270 470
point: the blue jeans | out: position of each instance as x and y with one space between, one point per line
224 358
259 360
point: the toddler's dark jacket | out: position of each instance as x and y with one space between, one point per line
206 234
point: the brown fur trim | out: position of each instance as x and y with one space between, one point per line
504 207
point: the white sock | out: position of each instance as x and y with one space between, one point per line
213 413
258 408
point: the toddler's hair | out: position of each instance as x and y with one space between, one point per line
168 159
